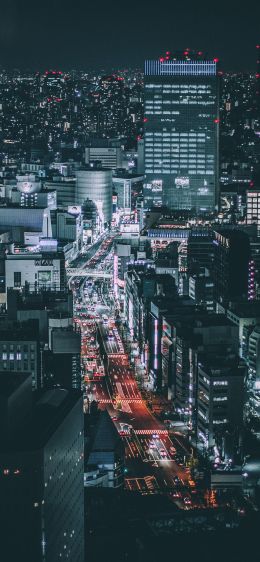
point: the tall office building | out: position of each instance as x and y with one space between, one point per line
181 132
41 472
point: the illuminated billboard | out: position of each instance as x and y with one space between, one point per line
44 277
182 182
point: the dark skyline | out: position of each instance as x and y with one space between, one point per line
61 33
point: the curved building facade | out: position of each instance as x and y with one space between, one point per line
96 184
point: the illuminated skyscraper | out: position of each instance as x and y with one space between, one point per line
181 132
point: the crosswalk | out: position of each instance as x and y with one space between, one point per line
151 431
110 401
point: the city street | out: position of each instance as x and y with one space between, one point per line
149 450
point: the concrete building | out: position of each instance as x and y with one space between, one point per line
201 289
127 186
40 269
41 472
221 398
107 151
51 309
243 314
20 349
21 221
105 450
65 189
62 365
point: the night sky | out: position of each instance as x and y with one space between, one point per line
66 34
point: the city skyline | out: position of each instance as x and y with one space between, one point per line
55 35
129 281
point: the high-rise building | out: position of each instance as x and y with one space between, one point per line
181 132
231 266
41 472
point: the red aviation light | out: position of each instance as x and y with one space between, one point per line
216 120
186 53
258 46
215 60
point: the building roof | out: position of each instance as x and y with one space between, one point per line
106 436
245 309
10 382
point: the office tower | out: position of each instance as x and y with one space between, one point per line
95 183
181 132
41 472
231 266
107 151
200 250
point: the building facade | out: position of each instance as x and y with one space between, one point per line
181 132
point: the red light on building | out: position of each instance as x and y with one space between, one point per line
161 59
251 184
145 119
216 120
257 75
186 53
200 53
167 58
215 60
258 46
167 52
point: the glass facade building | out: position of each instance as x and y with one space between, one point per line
181 133
95 183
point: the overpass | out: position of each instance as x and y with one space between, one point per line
81 272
